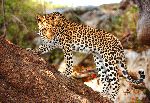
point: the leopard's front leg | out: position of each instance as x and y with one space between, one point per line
42 49
68 56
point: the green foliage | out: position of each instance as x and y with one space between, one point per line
126 23
21 23
20 20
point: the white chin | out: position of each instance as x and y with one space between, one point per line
38 33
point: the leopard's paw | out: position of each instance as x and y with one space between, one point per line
66 74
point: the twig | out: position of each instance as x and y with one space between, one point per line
4 18
125 38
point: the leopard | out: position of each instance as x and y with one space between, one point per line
58 32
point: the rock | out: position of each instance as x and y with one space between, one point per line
136 61
92 18
83 9
27 78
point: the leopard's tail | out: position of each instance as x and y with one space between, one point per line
130 79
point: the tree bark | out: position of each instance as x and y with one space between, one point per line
25 77
143 24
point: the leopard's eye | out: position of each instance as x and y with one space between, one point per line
38 19
53 18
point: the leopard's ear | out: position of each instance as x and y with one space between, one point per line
58 19
39 17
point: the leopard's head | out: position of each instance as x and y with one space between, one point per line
49 23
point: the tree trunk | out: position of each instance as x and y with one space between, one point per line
143 25
27 78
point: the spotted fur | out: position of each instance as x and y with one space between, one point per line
57 32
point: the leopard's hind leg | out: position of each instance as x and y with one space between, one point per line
102 72
114 81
